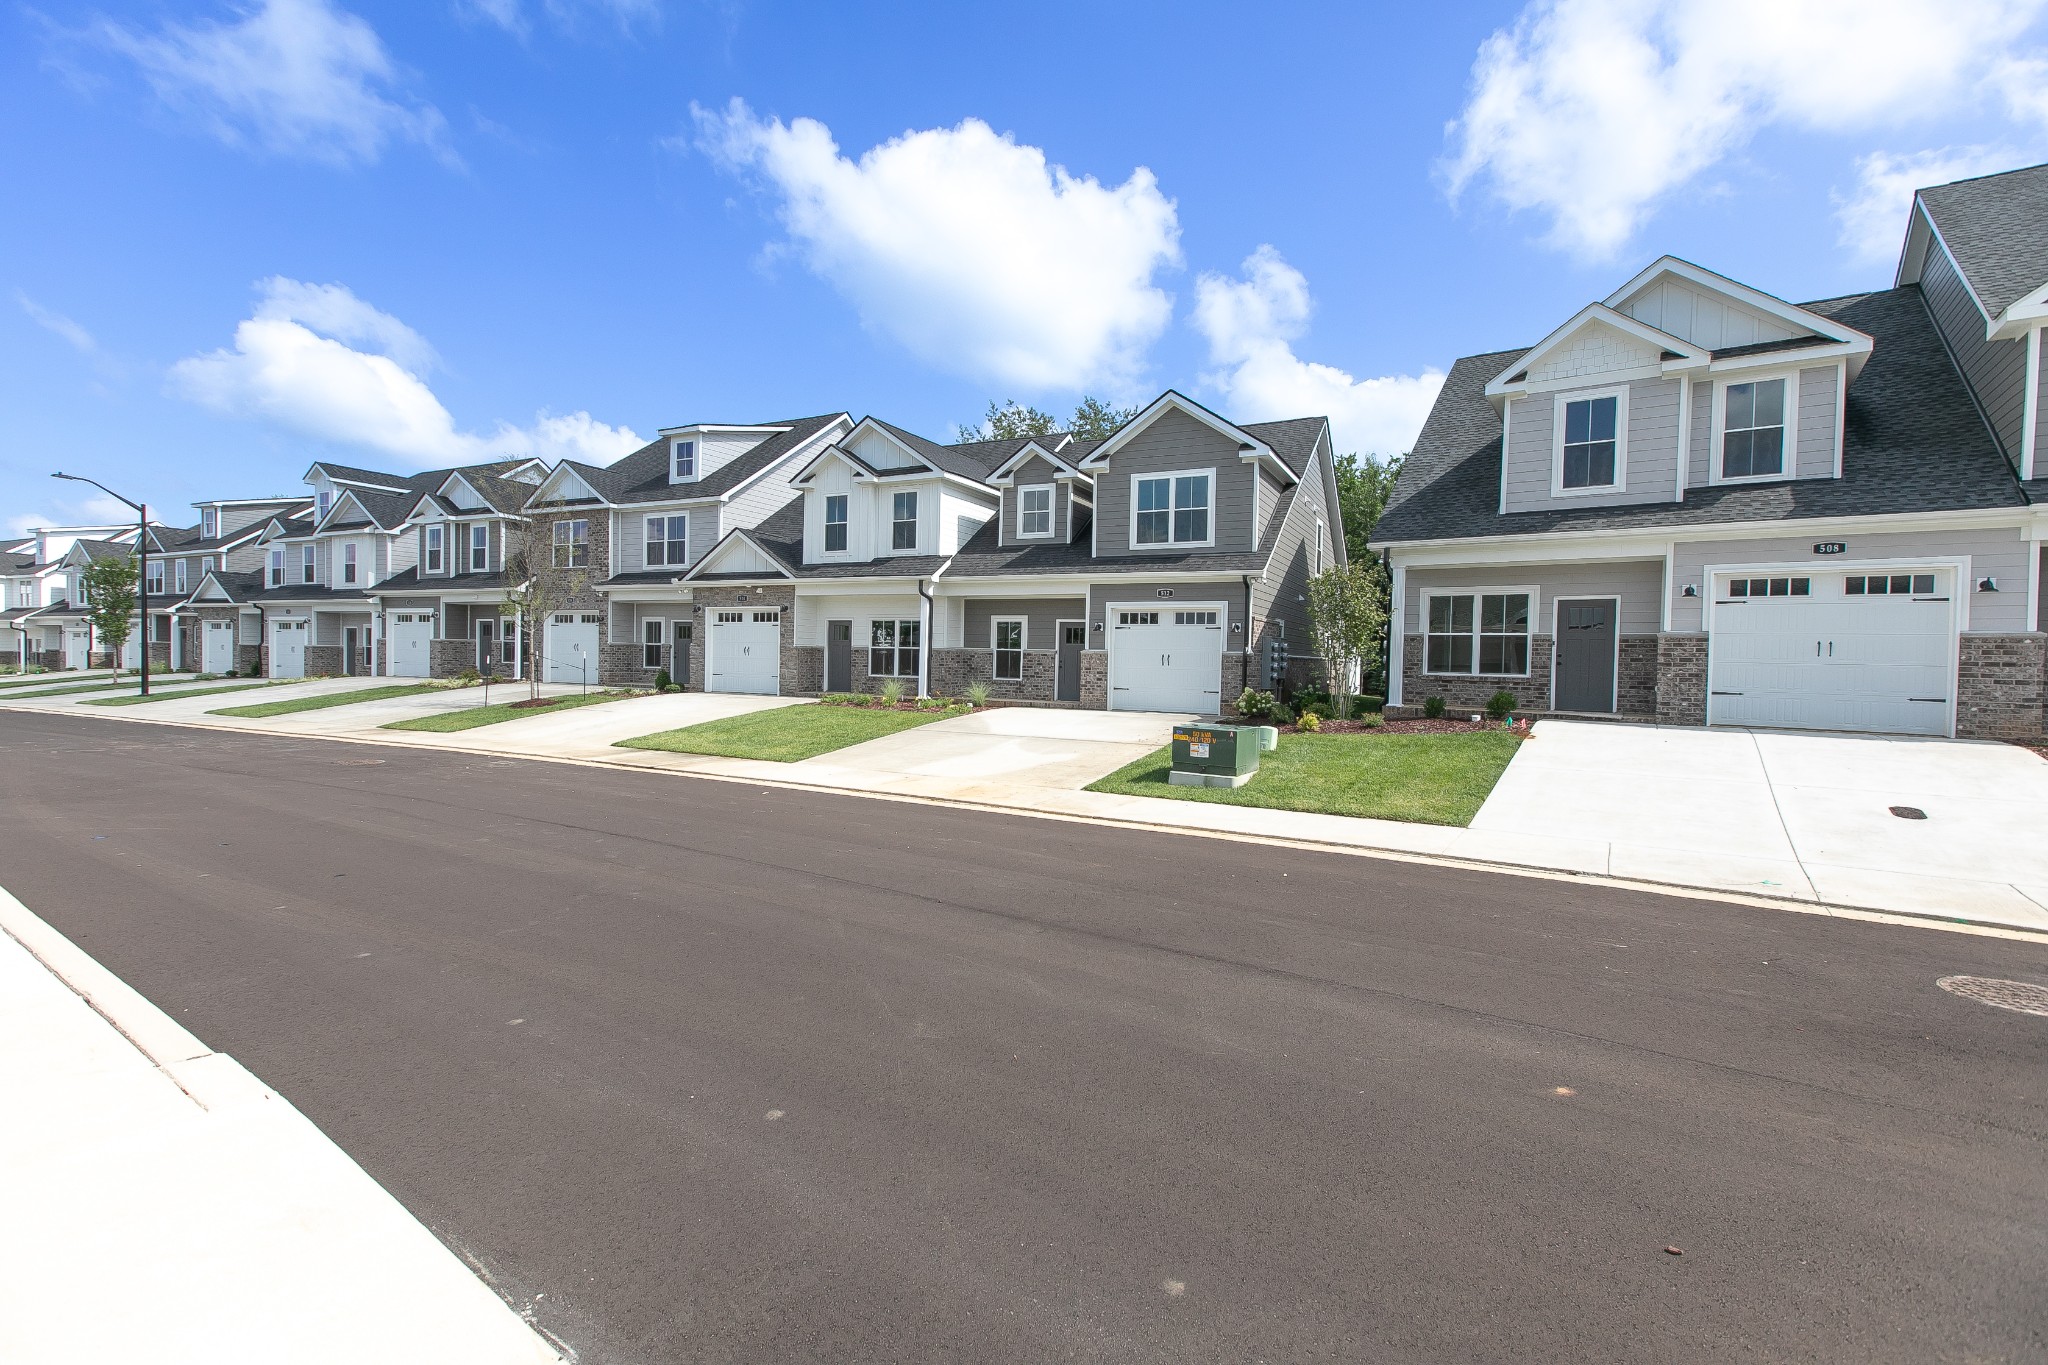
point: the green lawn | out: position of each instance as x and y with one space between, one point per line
173 696
445 722
321 703
788 734
1429 779
56 691
8 680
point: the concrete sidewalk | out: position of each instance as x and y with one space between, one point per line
164 1206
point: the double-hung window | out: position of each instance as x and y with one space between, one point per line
326 501
835 522
308 562
892 648
348 562
651 636
181 579
1171 509
903 522
479 548
1034 511
276 568
209 524
1587 454
1007 635
572 544
156 578
668 544
1484 632
436 535
685 456
1753 430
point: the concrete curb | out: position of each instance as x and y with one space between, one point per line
1687 890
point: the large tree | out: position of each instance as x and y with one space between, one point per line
1363 487
1347 617
110 601
1093 420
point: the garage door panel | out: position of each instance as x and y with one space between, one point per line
746 652
1168 659
571 648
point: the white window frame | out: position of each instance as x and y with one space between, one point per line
679 449
655 640
896 645
437 552
1718 427
153 581
182 579
996 651
1535 597
844 523
348 561
1051 504
277 567
648 541
915 521
479 548
561 543
309 564
1146 476
326 503
1618 392
209 524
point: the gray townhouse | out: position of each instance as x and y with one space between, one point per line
42 617
1698 504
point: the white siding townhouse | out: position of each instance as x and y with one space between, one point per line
1698 504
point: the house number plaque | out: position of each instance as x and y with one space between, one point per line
1831 547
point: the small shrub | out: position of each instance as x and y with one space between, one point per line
1433 708
1281 714
977 694
1254 703
1501 704
892 692
468 677
662 681
1373 720
843 699
1321 710
932 703
1361 707
1311 722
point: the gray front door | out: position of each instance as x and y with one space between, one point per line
1073 635
1585 655
487 645
679 657
839 656
348 650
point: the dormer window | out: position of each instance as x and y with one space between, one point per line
1034 511
276 568
479 549
435 548
326 498
835 522
209 524
1753 430
903 522
1589 446
683 455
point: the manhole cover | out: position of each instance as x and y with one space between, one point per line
2023 996
1909 812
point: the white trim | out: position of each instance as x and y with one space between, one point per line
1109 611
1171 401
916 519
1006 472
647 541
1670 589
1507 415
1535 596
1051 492
696 449
1685 383
1790 314
1619 393
2034 578
1620 542
1788 449
660 644
2030 409
1841 416
1613 662
1131 531
1514 379
1023 645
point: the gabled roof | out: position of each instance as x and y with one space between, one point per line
1794 316
1251 446
1055 450
643 475
220 585
1996 228
1669 347
732 543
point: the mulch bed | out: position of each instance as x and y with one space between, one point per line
899 706
532 703
1445 726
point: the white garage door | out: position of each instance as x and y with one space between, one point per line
1834 651
746 652
571 649
217 650
1166 659
408 637
288 648
131 652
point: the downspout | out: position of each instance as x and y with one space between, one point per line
924 640
1251 647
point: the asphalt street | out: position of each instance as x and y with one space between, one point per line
706 1071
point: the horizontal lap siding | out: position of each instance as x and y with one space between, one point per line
813 612
1999 553
1278 596
1035 471
1651 471
1700 443
1997 370
1229 592
1042 618
1174 442
1815 452
1639 583
1531 449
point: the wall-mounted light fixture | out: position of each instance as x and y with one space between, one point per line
1987 585
1689 590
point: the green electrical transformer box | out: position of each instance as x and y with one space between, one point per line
1214 755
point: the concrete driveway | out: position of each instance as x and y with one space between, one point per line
1792 813
1011 745
184 702
591 731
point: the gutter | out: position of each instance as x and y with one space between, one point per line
924 641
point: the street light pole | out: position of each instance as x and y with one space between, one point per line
141 570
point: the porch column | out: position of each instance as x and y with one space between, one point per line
1397 634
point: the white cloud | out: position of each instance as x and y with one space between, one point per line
94 509
289 77
291 364
1873 215
512 15
970 249
1250 325
1591 111
57 323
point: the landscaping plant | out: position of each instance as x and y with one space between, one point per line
110 601
892 692
1500 705
977 694
1253 704
1311 722
1433 708
662 681
1347 617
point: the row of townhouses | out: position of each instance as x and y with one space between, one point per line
1692 502
1158 569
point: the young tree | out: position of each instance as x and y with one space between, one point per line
1347 617
542 574
1363 487
110 601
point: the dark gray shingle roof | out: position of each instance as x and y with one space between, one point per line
643 475
1996 226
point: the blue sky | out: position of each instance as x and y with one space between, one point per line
238 237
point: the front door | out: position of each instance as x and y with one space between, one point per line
351 641
487 645
679 656
839 656
1073 635
1585 655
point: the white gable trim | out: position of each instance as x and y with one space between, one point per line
870 424
1249 446
1690 356
563 485
1789 314
1006 472
845 457
340 482
725 549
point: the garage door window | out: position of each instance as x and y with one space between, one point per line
1478 633
1770 587
892 648
1009 646
1898 585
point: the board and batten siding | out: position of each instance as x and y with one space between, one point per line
1995 552
1639 583
1174 441
2041 405
1996 370
1042 617
1651 470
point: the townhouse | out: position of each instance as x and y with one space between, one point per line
43 623
1695 503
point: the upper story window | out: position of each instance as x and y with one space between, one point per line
1034 511
1589 445
1171 509
683 455
181 579
479 548
205 565
1753 430
326 500
209 524
276 568
835 522
306 565
156 577
572 544
348 562
668 542
903 523
436 548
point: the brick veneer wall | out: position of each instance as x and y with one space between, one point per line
323 661
249 660
450 658
954 669
1095 679
2001 686
803 670
52 659
624 666
1469 694
1635 676
1681 686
